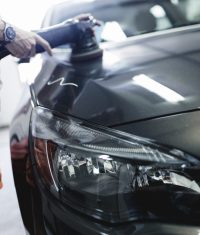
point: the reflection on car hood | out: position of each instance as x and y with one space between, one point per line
155 75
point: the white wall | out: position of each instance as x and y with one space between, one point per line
28 15
10 91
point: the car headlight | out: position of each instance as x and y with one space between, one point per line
111 175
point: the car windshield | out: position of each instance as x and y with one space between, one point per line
122 19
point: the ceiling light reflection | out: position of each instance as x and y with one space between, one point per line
157 88
113 32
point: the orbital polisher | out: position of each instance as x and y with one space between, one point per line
79 34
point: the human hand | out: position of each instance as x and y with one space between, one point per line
88 17
24 45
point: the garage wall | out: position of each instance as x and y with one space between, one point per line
10 91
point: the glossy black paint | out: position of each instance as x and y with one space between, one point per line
135 80
181 131
108 95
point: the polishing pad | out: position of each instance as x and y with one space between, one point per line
87 55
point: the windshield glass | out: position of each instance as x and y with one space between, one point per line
189 8
122 19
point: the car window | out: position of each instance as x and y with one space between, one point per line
142 18
138 20
133 18
129 18
189 8
161 17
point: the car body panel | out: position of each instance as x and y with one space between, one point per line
180 131
87 226
136 80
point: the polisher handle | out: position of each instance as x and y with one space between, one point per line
65 33
59 35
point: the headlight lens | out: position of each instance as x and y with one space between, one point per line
111 175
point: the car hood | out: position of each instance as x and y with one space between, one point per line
144 77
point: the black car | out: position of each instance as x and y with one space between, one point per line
113 142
